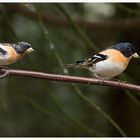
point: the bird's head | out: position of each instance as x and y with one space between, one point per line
127 49
23 47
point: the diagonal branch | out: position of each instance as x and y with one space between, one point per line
70 79
111 25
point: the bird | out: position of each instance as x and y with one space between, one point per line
109 62
12 52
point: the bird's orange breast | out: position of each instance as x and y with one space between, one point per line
116 56
12 56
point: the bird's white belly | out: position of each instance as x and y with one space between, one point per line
4 60
107 69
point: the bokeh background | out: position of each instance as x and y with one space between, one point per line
61 34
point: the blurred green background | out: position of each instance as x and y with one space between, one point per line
61 34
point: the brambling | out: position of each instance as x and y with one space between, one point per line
10 53
109 62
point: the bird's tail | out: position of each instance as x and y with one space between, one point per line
77 64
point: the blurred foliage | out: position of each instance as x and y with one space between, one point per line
31 107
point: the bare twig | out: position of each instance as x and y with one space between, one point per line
111 25
72 79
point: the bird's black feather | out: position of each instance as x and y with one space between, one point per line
2 51
97 58
92 60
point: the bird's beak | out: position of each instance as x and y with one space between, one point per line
135 55
29 50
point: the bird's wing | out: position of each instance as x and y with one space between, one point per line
93 59
88 61
98 57
2 51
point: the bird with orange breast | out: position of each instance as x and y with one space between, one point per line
10 53
109 62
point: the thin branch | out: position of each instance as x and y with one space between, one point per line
111 25
70 79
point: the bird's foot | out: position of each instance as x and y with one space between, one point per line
122 83
102 80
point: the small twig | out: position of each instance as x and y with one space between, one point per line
72 79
